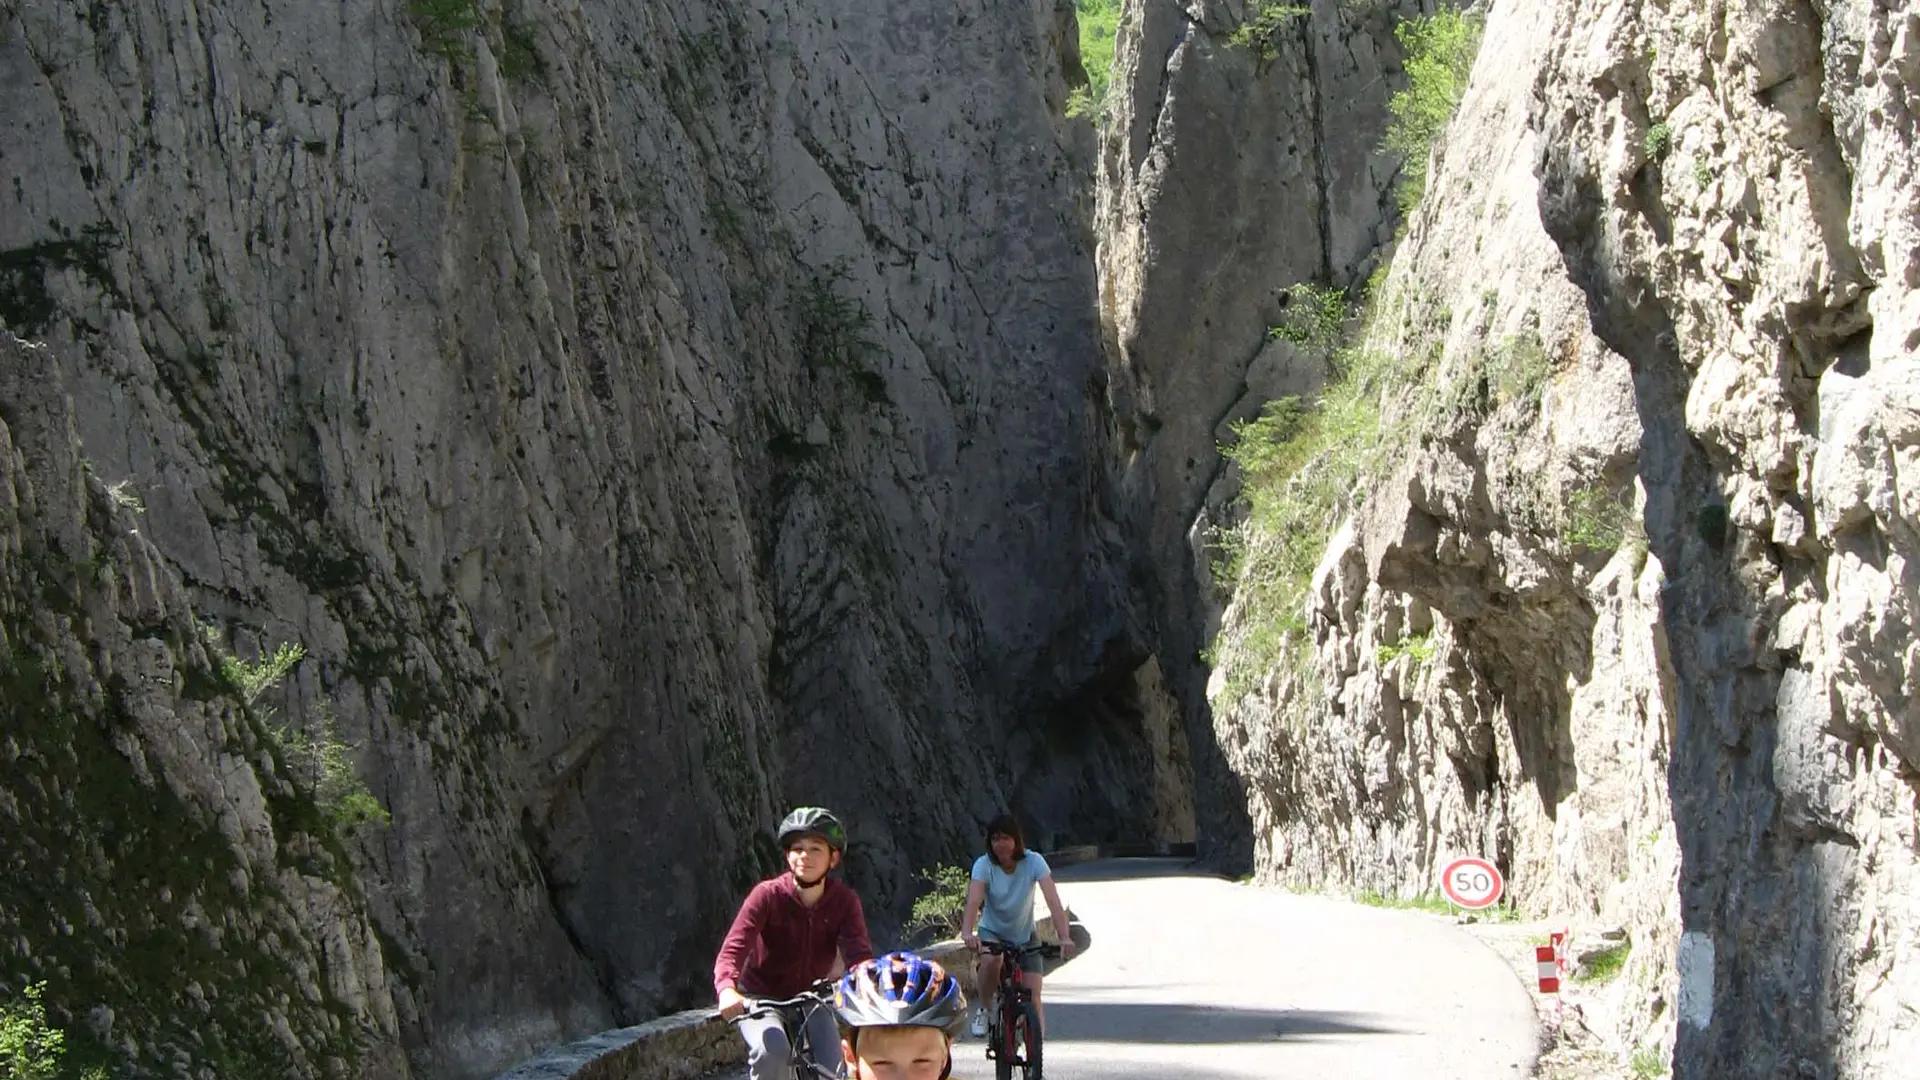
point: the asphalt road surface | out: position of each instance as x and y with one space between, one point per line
1187 977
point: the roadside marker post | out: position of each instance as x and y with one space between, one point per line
1548 961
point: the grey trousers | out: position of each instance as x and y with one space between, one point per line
770 1055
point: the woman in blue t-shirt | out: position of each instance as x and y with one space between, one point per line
1000 902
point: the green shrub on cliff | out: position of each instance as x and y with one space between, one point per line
30 1049
256 678
1262 31
1303 469
318 760
1314 318
444 25
1440 49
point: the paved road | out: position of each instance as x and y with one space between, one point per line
1195 978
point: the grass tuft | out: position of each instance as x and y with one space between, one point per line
1605 965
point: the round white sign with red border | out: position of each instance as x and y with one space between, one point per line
1472 883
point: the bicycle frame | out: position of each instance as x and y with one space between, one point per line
1007 1036
794 1012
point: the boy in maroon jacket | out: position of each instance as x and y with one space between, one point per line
791 932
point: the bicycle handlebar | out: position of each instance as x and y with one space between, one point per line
820 993
1043 948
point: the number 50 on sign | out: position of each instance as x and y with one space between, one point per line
1472 883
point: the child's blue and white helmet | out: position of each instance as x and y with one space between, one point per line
900 989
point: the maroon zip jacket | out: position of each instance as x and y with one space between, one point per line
779 946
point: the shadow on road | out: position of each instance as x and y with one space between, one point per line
1130 870
1198 1025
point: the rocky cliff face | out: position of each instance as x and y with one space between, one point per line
161 862
1485 673
1734 189
1626 607
645 418
1229 173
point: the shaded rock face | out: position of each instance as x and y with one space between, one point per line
1228 174
1631 614
159 863
647 418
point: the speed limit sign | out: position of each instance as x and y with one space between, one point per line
1471 883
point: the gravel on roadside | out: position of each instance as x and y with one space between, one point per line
1569 1050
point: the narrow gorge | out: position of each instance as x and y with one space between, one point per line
468 466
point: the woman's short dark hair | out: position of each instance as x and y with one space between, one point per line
1007 825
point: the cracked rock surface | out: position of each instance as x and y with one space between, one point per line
646 417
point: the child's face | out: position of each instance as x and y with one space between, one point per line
899 1053
810 857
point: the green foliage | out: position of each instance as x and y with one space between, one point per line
125 497
319 761
1515 369
1605 965
1421 647
320 764
1314 318
1303 470
29 1049
1433 902
444 25
1596 519
1261 33
1656 141
1702 174
1518 369
520 59
940 909
833 334
251 680
1099 22
1440 50
1649 1063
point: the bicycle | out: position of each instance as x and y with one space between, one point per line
794 1013
1013 1025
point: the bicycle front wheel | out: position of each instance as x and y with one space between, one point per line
1006 1043
1030 1034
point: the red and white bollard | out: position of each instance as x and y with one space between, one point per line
1552 963
1548 960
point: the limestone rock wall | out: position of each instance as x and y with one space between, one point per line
1228 174
1733 186
160 862
1487 672
1628 615
647 417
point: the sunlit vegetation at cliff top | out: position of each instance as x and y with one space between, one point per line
1099 22
1440 50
